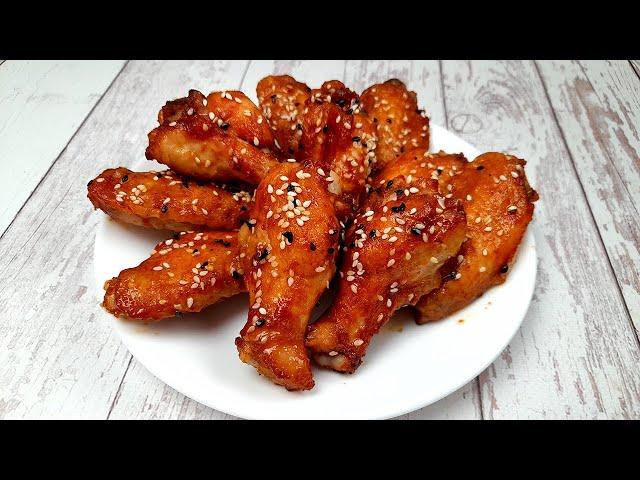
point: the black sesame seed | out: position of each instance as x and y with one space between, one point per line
273 98
325 129
291 188
389 184
415 231
399 208
399 192
263 254
195 250
375 120
389 120
260 322
449 276
179 314
288 235
312 246
355 139
372 234
225 125
504 269
480 167
360 226
236 275
331 250
299 126
402 149
204 264
124 179
341 102
164 208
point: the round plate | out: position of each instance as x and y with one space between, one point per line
407 366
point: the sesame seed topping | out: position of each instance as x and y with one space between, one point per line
433 260
189 302
358 342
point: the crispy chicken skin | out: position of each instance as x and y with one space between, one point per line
341 147
400 125
288 254
282 100
323 127
223 138
498 202
164 200
402 235
183 274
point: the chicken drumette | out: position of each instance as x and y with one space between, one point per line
164 200
183 274
499 205
288 251
223 137
400 125
402 235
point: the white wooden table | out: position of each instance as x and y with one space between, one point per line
577 354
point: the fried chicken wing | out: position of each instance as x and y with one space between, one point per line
288 253
164 200
499 205
183 274
282 100
334 91
223 138
400 125
402 235
341 147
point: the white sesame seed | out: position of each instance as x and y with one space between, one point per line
354 288
100 180
488 229
483 269
358 342
189 302
256 142
320 269
433 260
391 262
262 310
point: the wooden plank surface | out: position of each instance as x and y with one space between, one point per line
59 356
576 355
636 66
597 105
41 106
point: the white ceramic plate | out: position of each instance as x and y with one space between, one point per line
407 366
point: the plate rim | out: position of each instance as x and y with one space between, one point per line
226 406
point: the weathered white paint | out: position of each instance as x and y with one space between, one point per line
598 107
42 104
576 355
58 354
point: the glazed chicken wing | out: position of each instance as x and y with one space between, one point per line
498 202
400 125
183 274
288 253
164 200
341 147
402 235
223 138
282 100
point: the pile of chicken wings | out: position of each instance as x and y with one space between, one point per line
275 199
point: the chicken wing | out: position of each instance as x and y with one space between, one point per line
341 147
400 125
164 200
183 274
498 202
402 235
288 253
334 91
223 138
282 100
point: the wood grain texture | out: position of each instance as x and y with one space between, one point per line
597 104
43 103
576 355
636 66
59 357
